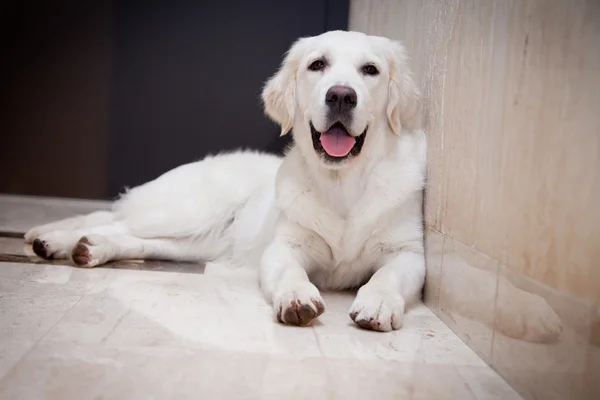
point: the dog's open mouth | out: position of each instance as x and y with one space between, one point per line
336 144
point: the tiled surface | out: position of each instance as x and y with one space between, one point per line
14 249
69 333
20 213
510 91
15 246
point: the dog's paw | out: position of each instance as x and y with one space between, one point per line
91 251
299 305
53 245
528 317
377 310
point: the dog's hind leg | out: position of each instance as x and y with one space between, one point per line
94 219
57 244
93 250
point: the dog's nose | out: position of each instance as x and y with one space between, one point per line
341 98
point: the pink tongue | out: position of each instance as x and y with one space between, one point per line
337 143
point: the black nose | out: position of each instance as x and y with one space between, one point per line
341 98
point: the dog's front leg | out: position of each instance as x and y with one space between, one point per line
380 303
284 280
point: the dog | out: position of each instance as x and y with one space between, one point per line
342 209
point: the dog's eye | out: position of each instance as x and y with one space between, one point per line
370 69
317 65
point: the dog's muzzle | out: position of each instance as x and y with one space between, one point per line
336 144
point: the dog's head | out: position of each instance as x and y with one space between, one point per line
341 92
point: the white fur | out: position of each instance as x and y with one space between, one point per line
306 223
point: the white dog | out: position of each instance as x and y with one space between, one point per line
342 209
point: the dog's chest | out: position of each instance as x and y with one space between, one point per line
341 277
341 197
342 273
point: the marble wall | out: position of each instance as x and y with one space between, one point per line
511 95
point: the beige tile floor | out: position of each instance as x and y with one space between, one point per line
176 332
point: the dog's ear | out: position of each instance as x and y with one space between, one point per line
279 93
404 98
